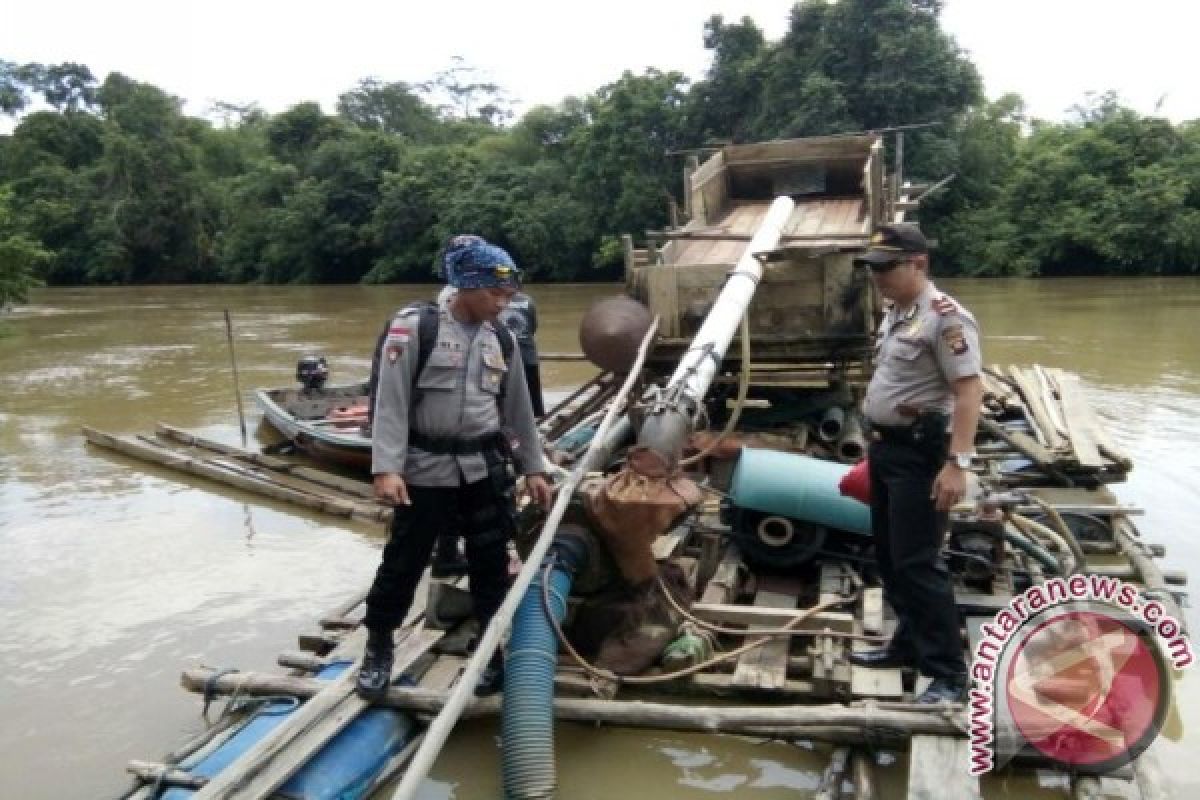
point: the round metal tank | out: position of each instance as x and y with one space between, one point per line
611 332
799 487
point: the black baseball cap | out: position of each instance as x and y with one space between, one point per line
891 244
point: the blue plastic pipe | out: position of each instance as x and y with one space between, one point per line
527 728
796 486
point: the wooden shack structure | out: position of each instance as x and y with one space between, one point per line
812 319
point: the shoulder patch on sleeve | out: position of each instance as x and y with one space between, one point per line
945 305
955 339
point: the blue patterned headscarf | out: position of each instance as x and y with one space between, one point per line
471 262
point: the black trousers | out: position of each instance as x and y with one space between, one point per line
481 511
533 379
908 533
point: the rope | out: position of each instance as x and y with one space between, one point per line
238 704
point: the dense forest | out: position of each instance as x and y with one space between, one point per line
108 182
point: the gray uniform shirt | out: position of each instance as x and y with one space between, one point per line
919 355
458 389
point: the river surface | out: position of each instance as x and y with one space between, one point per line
115 576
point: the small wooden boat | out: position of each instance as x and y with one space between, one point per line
327 423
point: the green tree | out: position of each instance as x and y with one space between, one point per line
392 108
21 258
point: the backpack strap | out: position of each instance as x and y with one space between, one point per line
507 344
426 339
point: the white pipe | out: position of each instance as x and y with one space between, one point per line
443 724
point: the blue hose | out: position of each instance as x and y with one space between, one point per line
527 728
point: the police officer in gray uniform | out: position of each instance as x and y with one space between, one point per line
520 317
441 447
926 383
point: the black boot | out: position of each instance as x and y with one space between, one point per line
491 680
894 655
375 674
944 690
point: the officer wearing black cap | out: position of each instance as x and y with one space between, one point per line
922 406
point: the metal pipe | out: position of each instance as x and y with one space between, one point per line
830 427
672 417
852 445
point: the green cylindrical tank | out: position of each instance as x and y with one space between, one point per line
799 487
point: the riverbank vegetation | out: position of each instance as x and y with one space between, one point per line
108 182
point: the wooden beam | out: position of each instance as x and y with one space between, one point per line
797 721
766 667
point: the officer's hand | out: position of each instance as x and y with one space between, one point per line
539 489
390 488
949 487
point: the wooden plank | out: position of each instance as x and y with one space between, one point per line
765 667
1082 425
937 769
880 683
1046 433
269 763
872 610
723 586
668 544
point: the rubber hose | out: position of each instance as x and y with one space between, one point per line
527 726
1029 546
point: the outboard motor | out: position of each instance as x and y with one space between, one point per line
312 372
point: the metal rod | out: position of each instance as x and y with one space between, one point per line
443 724
237 389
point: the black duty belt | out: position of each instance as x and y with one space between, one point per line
457 445
929 426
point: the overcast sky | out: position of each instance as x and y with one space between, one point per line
280 53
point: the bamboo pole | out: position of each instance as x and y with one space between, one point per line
439 729
257 484
237 389
850 723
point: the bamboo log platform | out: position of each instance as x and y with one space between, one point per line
796 687
247 471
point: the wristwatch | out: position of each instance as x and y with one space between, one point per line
961 460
